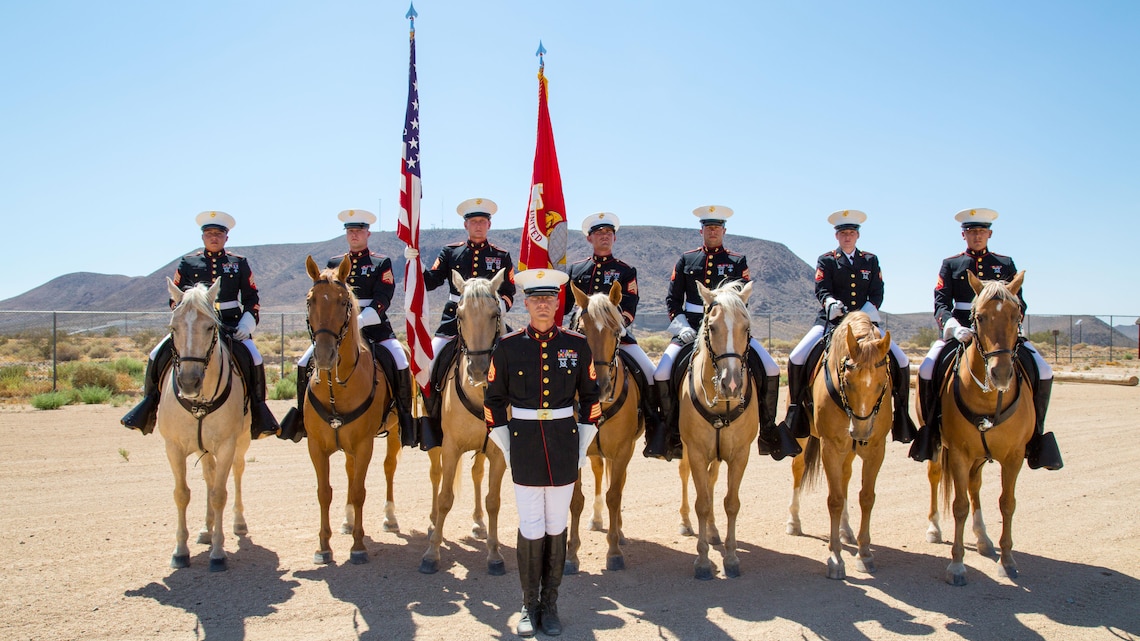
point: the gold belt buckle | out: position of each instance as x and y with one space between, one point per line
545 415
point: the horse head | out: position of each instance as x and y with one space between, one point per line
996 317
332 311
725 334
480 322
859 359
600 320
193 334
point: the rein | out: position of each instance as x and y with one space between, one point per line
839 394
721 420
338 336
988 421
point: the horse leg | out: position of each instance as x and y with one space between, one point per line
391 460
181 556
959 473
356 464
985 545
240 528
714 533
205 535
846 534
495 565
793 526
429 563
218 496
703 568
577 504
324 499
836 467
736 469
478 470
435 473
872 463
598 467
683 470
619 469
1010 468
934 476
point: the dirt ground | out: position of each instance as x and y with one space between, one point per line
88 523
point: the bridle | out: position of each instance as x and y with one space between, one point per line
464 350
986 385
839 393
339 335
200 409
716 358
611 364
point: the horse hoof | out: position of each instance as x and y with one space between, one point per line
987 551
836 570
596 526
685 530
429 566
794 529
496 568
570 567
615 563
956 576
218 565
478 531
847 538
180 561
241 529
323 558
732 570
358 557
204 538
1007 571
622 540
865 565
933 536
391 526
705 573
715 540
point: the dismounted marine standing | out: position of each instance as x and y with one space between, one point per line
711 265
847 279
475 257
596 275
373 283
953 300
543 376
238 307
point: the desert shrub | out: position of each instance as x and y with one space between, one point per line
654 343
99 349
91 395
130 366
146 339
91 375
924 337
111 331
51 400
13 373
283 390
120 400
66 352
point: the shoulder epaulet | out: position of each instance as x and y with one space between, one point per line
732 253
570 332
868 254
337 258
620 261
584 260
514 333
698 249
457 244
197 253
237 256
958 255
998 255
375 255
496 247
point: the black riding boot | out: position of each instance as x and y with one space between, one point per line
902 427
1042 450
795 421
263 422
142 416
929 436
409 432
293 425
529 553
663 439
553 563
774 440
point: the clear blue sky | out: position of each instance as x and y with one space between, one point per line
120 121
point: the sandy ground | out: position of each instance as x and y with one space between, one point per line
88 536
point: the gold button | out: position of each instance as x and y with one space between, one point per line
545 355
546 392
544 367
852 284
544 380
545 404
544 343
520 372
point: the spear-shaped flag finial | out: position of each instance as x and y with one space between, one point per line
411 15
541 52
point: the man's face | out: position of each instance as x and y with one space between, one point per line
977 238
214 240
477 227
713 235
541 310
357 238
602 240
847 239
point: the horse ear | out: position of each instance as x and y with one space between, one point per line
579 296
344 269
175 293
1014 285
615 293
706 295
852 341
746 291
312 269
213 291
885 343
497 280
458 281
975 284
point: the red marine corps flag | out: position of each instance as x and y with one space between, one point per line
545 231
408 227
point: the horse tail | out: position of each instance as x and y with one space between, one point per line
812 469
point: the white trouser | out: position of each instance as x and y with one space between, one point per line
437 343
815 334
640 356
543 510
926 370
391 344
247 342
665 366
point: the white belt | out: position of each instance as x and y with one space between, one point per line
364 302
229 304
541 415
694 308
453 298
961 305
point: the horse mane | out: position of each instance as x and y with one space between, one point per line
602 309
330 275
727 295
198 298
994 290
865 333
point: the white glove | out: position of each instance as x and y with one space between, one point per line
245 327
411 253
834 308
954 329
366 317
586 434
681 328
501 436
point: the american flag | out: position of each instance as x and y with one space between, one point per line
408 227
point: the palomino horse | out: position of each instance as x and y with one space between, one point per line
718 418
987 415
601 322
202 410
345 402
464 428
851 414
